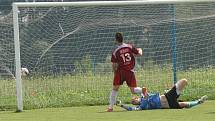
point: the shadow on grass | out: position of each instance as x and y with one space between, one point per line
210 112
113 111
7 112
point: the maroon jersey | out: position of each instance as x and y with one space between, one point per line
123 55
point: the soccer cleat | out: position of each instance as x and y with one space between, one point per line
166 91
110 110
202 99
118 102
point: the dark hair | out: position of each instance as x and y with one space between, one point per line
119 37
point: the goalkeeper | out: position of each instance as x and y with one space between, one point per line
166 101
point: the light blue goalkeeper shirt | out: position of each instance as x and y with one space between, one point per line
152 102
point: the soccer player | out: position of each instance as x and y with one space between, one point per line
165 101
123 62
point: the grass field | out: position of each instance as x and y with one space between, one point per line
88 89
204 112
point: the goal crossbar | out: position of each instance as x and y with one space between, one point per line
101 3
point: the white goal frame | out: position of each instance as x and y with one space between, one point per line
16 5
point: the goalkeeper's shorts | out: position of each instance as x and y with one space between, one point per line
172 97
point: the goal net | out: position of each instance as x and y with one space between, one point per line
67 49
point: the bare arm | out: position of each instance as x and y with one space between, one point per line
130 108
114 67
140 51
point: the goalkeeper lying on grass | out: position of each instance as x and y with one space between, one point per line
165 101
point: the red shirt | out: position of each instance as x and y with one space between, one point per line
123 55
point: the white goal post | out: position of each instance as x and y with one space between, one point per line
16 6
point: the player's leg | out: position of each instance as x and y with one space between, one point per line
117 81
136 90
193 103
112 98
180 85
132 83
174 93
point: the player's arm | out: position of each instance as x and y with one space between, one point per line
130 108
137 51
145 92
114 63
114 67
140 51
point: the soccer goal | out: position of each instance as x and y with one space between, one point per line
66 46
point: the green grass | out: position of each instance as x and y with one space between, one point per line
203 112
84 89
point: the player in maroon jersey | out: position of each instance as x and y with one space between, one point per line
123 63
